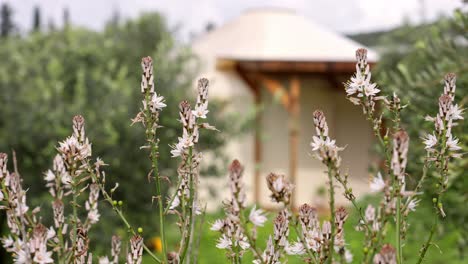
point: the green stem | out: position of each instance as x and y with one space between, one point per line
188 218
426 245
75 215
159 195
332 211
398 229
108 198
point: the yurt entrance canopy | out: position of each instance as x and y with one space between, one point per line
267 46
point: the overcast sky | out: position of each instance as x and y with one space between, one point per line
192 15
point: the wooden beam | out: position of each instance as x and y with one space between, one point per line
254 85
276 89
294 121
297 67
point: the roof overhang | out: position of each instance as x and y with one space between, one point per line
297 67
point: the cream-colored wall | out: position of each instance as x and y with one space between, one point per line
345 121
346 124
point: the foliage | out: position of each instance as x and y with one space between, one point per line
413 62
46 78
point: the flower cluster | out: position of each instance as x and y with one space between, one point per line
184 202
134 255
278 242
386 256
190 120
360 90
26 246
441 142
233 237
326 148
316 238
400 155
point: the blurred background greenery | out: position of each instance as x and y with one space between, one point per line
50 74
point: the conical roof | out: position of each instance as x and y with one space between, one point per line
277 34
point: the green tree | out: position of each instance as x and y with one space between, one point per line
414 62
6 20
36 26
45 79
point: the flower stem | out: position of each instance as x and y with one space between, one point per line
428 242
398 229
188 218
154 157
332 212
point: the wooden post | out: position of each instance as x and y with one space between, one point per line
258 145
294 121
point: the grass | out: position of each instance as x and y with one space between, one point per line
445 251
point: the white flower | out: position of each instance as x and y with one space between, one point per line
93 216
257 217
157 102
175 202
295 249
278 184
243 243
49 176
319 142
1 196
104 260
198 209
456 113
452 144
371 90
66 179
200 111
7 242
22 257
224 242
22 208
217 225
186 140
43 256
356 84
316 143
412 204
50 233
430 141
377 184
177 150
370 213
348 256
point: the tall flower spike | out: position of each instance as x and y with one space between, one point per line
136 250
450 84
361 58
320 123
359 89
115 250
59 218
172 258
79 128
400 154
236 171
201 108
308 217
81 249
281 229
147 78
387 255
